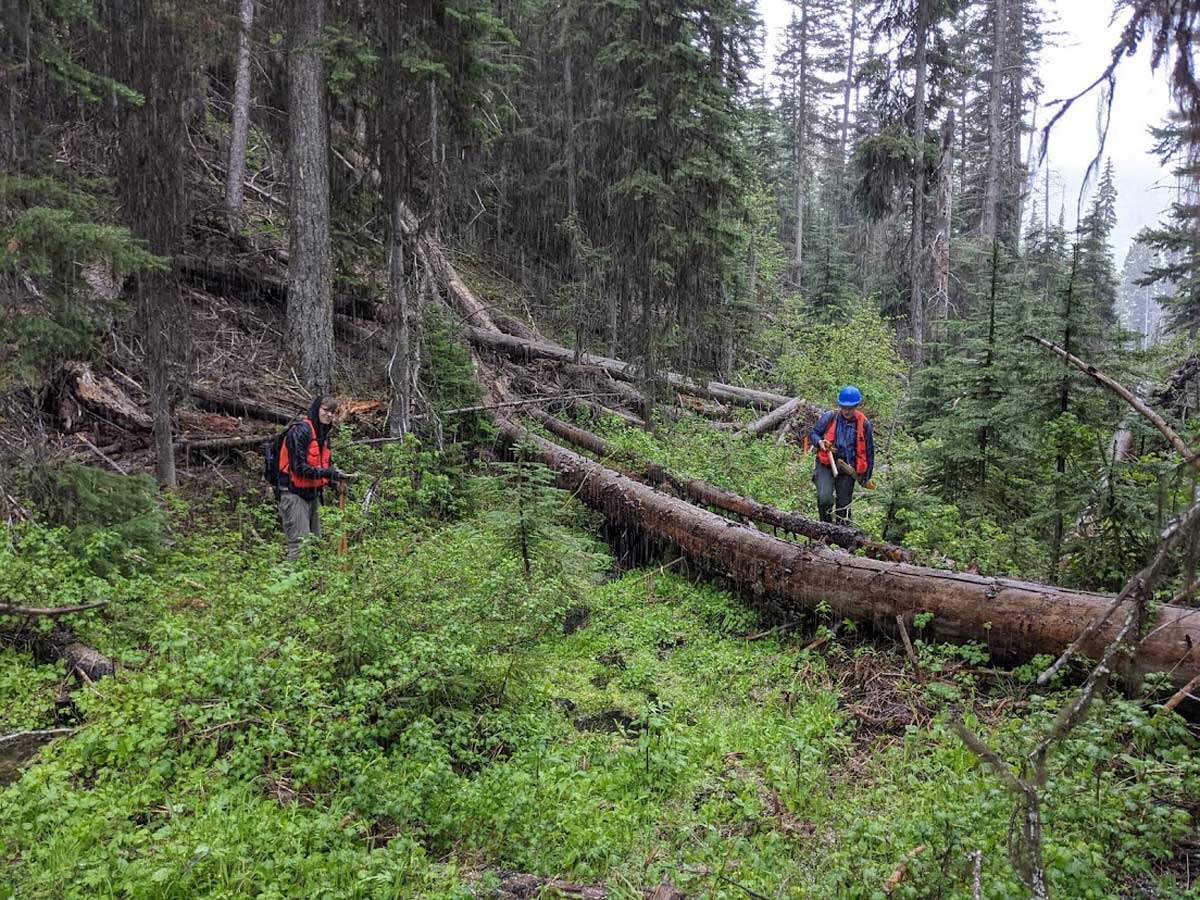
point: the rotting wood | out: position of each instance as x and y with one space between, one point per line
525 351
708 494
99 395
1014 619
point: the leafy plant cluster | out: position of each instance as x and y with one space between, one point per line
403 719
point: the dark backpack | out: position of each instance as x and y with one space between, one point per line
271 450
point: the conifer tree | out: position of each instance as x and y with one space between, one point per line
808 69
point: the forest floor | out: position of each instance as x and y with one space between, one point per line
422 717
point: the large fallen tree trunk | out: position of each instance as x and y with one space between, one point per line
1014 619
708 494
526 350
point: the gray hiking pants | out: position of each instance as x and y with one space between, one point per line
300 518
829 489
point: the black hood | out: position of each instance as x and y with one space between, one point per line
314 416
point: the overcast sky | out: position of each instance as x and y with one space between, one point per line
1142 99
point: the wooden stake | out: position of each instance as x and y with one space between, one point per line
343 543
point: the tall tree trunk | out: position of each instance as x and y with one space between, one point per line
1064 404
844 140
158 300
991 188
940 241
310 277
151 57
649 362
399 366
1028 175
916 302
801 141
241 121
569 101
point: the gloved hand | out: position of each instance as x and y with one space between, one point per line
826 445
336 475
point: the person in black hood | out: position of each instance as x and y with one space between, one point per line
303 471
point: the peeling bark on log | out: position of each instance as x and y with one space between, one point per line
523 350
1014 619
710 495
85 390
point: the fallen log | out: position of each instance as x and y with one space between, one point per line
221 401
86 390
777 417
708 494
1013 619
61 643
526 350
198 445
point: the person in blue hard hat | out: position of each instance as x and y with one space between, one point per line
843 440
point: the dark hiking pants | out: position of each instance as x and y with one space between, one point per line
300 519
829 490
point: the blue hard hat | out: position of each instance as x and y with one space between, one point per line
849 396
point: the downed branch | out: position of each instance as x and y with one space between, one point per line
12 609
36 736
525 350
1172 437
710 495
1017 619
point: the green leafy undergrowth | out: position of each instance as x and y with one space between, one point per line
398 720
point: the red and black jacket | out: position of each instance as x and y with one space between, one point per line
304 459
